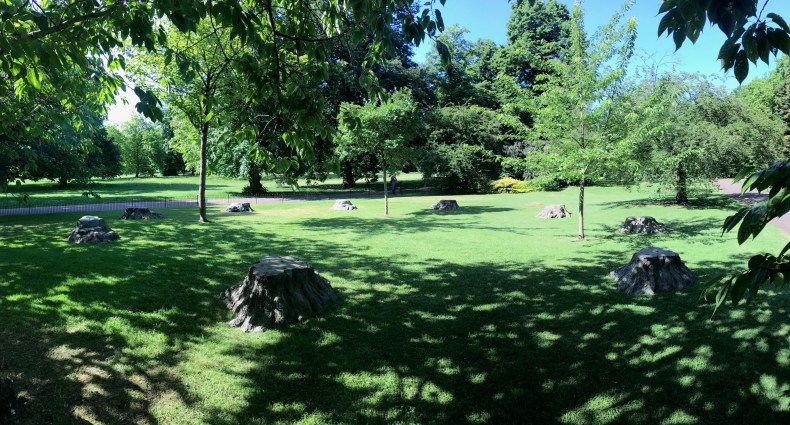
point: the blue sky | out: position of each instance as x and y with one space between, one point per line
488 19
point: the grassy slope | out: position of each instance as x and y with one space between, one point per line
180 187
483 315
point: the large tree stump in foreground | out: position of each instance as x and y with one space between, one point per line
277 292
554 211
135 213
446 204
343 205
239 207
653 271
643 224
8 397
92 229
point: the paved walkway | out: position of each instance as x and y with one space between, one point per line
750 198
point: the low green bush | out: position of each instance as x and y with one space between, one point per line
545 184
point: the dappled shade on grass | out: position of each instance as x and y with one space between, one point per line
489 315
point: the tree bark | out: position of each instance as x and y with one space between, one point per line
202 184
63 182
681 189
386 199
254 186
581 208
348 174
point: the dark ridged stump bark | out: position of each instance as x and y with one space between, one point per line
643 224
446 204
135 213
277 292
653 271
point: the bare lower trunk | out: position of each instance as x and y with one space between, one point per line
348 174
386 200
63 182
681 189
581 208
254 186
202 184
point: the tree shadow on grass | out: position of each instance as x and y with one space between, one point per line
419 341
700 230
469 210
487 343
715 201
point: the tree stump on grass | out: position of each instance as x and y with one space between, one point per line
653 271
554 211
446 204
92 229
343 205
8 397
239 207
643 224
277 292
135 213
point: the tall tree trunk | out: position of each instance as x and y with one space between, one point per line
254 186
386 199
681 189
581 208
202 184
348 174
63 182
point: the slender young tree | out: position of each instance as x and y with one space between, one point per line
383 130
581 114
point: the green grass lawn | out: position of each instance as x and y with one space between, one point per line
484 315
46 193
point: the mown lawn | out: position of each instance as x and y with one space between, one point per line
484 315
46 193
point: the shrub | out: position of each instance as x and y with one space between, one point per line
545 184
511 185
460 168
253 191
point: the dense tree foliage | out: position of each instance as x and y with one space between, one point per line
690 131
537 33
582 113
383 130
143 146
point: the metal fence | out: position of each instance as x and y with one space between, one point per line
45 206
11 206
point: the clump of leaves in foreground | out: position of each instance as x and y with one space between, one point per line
763 268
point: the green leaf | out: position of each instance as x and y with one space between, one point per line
741 67
778 20
739 287
779 279
750 46
439 20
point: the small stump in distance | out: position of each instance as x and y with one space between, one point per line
554 211
653 271
92 229
643 224
239 207
135 213
277 292
446 204
343 205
